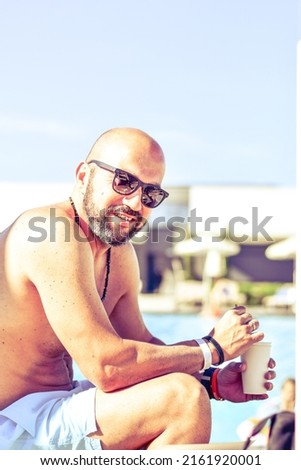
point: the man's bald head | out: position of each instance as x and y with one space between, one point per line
140 159
115 145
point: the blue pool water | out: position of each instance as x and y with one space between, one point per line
280 330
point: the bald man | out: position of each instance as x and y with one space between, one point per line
71 293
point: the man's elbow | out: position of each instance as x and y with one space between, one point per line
115 371
110 379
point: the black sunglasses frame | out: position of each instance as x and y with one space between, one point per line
146 187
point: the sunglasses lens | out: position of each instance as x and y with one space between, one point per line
124 183
152 196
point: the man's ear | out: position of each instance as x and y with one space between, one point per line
82 173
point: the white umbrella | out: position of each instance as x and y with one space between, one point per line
215 264
286 249
214 251
204 244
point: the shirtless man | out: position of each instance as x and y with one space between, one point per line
69 284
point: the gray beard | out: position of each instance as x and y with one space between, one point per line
109 231
105 224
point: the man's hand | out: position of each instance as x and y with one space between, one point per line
230 384
235 332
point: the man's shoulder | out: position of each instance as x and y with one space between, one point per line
46 231
45 223
48 212
39 214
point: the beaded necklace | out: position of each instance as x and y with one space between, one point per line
108 261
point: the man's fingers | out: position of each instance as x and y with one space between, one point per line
253 325
245 317
239 309
272 363
270 375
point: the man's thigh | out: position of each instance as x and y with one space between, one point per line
132 417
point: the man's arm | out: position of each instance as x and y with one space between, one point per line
126 316
62 272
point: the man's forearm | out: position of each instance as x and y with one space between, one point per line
138 361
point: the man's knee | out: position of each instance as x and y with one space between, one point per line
187 391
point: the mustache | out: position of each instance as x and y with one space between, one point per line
121 210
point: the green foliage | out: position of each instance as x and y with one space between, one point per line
255 291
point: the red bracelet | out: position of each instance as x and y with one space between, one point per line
214 388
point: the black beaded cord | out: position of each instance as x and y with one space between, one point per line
108 261
108 268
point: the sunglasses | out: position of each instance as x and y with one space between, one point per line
125 183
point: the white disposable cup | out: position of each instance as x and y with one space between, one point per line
257 359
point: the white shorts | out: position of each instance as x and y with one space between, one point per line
51 420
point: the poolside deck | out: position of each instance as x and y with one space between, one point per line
166 304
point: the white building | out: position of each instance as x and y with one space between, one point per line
254 216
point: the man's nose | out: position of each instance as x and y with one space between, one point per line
134 200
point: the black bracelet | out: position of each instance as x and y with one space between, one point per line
206 380
217 347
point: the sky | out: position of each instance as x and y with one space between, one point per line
214 82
